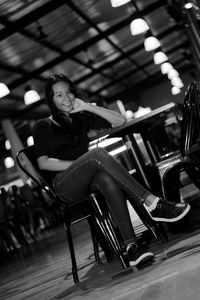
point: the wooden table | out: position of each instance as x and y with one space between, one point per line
138 125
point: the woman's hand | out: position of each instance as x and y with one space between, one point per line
79 105
113 117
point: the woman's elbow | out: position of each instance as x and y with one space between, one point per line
41 163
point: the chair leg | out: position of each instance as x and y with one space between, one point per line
94 241
157 229
101 238
72 253
106 227
113 239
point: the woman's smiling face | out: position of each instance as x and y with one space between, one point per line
62 97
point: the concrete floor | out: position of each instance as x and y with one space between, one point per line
44 271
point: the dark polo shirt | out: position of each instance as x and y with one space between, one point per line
66 142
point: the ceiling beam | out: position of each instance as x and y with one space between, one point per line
132 72
30 17
124 76
28 108
93 25
123 56
84 45
137 88
147 82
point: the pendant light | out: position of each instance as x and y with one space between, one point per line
30 95
117 3
165 67
176 81
175 90
172 73
151 43
7 145
138 26
30 140
188 5
9 162
160 57
4 90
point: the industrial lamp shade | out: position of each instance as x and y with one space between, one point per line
138 26
160 57
117 3
9 162
165 67
4 90
172 73
30 141
175 90
31 96
7 145
151 43
176 81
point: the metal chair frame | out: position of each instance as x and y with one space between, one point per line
101 224
190 128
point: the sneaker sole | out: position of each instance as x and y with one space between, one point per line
147 256
173 219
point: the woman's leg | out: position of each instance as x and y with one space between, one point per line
116 202
73 183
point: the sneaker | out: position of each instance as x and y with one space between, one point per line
166 211
137 256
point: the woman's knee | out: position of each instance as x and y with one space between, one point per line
104 181
99 152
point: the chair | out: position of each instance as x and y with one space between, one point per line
102 227
186 160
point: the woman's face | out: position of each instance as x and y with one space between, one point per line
62 97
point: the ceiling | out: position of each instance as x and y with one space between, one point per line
90 42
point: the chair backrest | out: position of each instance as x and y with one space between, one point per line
42 180
190 129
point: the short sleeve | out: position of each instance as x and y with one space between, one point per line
97 122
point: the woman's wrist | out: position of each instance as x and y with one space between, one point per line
88 106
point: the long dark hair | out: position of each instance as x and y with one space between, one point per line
58 116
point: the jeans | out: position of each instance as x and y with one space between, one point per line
97 168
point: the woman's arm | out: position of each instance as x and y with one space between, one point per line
53 164
113 117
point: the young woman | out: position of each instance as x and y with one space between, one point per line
61 143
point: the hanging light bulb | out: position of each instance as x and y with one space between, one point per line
165 67
9 162
7 145
129 114
138 26
172 73
30 96
30 141
160 57
117 3
188 5
175 90
4 90
151 43
176 81
142 111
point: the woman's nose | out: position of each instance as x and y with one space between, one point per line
68 95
